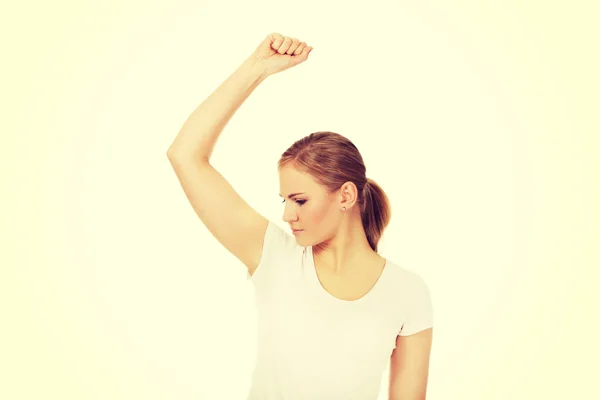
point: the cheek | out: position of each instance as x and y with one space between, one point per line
317 214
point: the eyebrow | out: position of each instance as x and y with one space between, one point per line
291 195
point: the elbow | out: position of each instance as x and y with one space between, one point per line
175 153
178 156
171 152
180 162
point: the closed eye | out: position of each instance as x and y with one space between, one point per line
300 202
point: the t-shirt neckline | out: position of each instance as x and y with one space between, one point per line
314 277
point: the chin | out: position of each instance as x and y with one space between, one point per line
300 239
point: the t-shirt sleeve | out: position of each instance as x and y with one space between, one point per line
278 250
419 307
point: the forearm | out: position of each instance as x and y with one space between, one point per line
198 135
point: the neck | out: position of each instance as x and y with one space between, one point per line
346 250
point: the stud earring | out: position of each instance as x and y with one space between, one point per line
344 208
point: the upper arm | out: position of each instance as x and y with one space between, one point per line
232 221
409 366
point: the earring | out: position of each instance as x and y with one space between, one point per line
343 208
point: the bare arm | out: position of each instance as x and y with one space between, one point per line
409 366
236 225
199 134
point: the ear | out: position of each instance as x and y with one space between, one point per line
348 195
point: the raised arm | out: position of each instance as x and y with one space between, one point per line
236 225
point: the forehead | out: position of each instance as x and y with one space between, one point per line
293 180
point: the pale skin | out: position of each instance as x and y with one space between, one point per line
348 268
346 265
339 239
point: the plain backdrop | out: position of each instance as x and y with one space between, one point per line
476 118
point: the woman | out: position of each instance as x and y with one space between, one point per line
332 312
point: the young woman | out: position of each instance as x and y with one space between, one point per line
332 312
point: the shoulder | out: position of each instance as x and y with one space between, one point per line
279 249
278 241
406 282
412 300
403 275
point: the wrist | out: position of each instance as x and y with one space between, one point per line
254 68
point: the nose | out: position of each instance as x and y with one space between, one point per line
289 215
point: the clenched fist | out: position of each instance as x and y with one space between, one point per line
277 53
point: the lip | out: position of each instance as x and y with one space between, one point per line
297 230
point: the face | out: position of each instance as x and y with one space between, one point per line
310 207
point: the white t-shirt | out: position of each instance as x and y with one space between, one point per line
312 345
